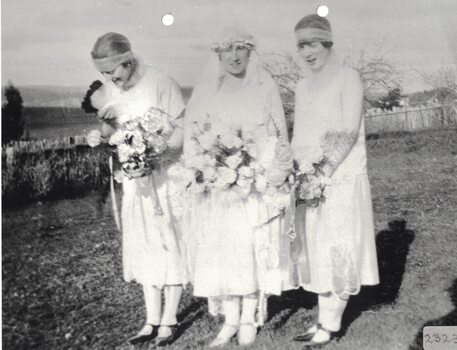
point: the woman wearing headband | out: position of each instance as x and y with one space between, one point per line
223 236
337 238
150 244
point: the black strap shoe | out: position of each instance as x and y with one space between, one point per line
163 341
144 337
305 336
310 344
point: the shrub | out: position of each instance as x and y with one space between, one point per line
53 173
12 119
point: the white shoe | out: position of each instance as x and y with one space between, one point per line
247 334
227 332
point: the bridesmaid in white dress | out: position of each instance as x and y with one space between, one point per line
221 236
338 251
150 243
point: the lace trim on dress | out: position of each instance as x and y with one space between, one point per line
344 272
337 144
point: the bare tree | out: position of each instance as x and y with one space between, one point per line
379 75
286 73
444 81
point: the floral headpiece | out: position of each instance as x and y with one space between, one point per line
233 35
248 43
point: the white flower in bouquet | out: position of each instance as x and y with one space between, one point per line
157 122
137 141
159 145
244 181
94 138
180 174
198 162
131 125
305 167
246 171
220 184
210 160
310 189
230 140
275 176
267 154
238 142
325 181
209 173
234 160
260 183
207 141
196 187
254 165
291 179
117 138
124 152
226 175
251 149
306 157
118 176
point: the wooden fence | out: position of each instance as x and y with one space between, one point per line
412 119
403 120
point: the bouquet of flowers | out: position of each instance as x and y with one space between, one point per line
310 180
231 162
141 141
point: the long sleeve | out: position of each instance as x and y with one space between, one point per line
337 145
276 113
172 103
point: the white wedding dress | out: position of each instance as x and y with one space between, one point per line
227 252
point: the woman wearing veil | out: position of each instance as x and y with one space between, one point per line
224 238
338 252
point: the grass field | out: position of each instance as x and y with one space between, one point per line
62 285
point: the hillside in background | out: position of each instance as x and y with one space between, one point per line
71 96
61 96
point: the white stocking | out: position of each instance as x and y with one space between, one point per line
331 308
250 304
231 310
172 299
153 303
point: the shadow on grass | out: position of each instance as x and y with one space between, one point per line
448 320
392 247
281 308
194 310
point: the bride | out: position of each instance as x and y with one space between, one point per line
223 237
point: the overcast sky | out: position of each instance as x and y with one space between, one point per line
47 42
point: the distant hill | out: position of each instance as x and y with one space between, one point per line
61 96
52 96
